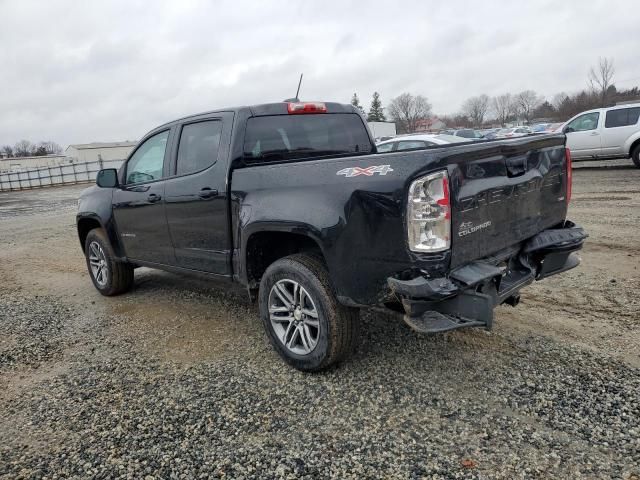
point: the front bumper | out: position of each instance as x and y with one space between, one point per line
469 294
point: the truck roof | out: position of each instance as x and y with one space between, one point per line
264 109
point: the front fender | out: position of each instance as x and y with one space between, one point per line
95 204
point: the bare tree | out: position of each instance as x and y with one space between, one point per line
50 147
527 101
476 108
463 121
559 99
601 78
406 110
503 107
7 150
23 148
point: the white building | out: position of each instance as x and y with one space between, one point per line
91 152
382 129
21 164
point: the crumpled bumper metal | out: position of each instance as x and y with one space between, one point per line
469 294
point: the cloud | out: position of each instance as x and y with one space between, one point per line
99 71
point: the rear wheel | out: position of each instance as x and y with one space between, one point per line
304 321
109 276
635 156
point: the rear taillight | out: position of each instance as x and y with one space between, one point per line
569 174
306 107
429 214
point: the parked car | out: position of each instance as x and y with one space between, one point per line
554 128
489 133
467 133
416 141
292 202
605 133
539 127
512 132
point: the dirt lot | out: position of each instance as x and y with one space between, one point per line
177 380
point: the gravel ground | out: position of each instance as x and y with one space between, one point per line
177 380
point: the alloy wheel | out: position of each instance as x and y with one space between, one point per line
98 264
294 317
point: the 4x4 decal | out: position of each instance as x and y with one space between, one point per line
368 171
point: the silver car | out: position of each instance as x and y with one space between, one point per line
413 142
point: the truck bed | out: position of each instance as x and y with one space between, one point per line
502 192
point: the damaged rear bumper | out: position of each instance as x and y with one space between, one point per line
469 294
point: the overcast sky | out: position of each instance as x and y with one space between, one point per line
76 72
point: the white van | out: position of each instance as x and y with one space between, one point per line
605 132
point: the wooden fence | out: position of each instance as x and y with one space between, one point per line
66 174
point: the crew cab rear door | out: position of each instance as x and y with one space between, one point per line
619 125
196 193
505 195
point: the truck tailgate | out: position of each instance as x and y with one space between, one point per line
505 195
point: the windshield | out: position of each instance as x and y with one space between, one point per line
286 137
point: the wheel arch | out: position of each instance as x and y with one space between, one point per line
265 245
87 222
634 144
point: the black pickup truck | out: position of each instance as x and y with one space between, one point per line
292 201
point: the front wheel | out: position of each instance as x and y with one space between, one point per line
109 276
305 323
635 156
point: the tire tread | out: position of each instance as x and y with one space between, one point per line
121 272
344 321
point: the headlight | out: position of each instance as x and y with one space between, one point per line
429 214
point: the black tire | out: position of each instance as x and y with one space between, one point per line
119 275
338 330
635 156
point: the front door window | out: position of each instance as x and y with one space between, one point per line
146 163
588 121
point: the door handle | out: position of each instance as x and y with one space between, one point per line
207 192
595 133
153 198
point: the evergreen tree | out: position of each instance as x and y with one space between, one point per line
376 112
355 101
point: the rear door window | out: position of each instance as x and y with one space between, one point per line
289 137
622 117
198 147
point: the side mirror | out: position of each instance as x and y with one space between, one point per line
107 178
568 130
